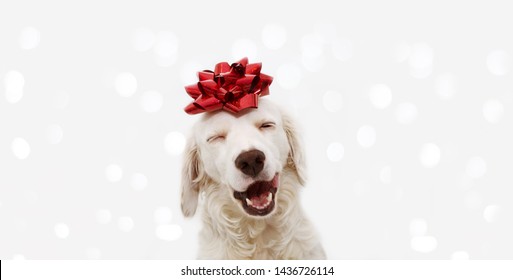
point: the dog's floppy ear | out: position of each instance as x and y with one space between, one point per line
192 178
296 159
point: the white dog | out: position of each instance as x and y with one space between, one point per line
249 168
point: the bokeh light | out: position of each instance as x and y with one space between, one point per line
14 83
335 151
424 244
491 213
499 62
20 148
274 36
332 101
125 84
380 96
476 167
366 136
151 101
430 155
445 86
166 48
168 232
143 39
406 113
54 134
421 60
174 143
493 111
288 76
61 230
126 223
418 227
162 215
138 181
29 38
103 216
114 173
244 48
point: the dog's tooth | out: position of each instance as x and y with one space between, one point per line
269 197
248 201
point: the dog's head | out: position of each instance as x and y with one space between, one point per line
244 152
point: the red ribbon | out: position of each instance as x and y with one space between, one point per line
229 87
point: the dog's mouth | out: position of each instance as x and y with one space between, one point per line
258 199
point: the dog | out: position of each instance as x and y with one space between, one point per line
249 168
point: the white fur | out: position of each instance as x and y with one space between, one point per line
228 231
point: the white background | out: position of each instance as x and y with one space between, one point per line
405 110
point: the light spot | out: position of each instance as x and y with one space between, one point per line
168 232
20 148
406 113
61 230
29 38
499 62
402 51
54 134
493 111
151 101
114 173
13 84
380 96
366 136
138 181
288 76
327 31
460 255
166 48
125 224
476 167
189 72
445 86
103 216
125 84
360 188
385 174
244 48
313 64
429 155
424 244
342 49
162 215
491 213
60 100
418 227
93 253
174 143
274 36
335 151
473 200
312 45
18 257
421 60
143 39
332 101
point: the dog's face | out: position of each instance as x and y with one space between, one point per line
244 152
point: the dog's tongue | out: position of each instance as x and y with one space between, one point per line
260 200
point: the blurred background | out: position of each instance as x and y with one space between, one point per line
405 108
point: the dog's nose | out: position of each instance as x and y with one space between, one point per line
250 162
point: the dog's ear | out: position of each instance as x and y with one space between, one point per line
192 177
296 159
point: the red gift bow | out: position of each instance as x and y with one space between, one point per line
229 87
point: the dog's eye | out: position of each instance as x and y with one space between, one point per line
267 125
215 138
